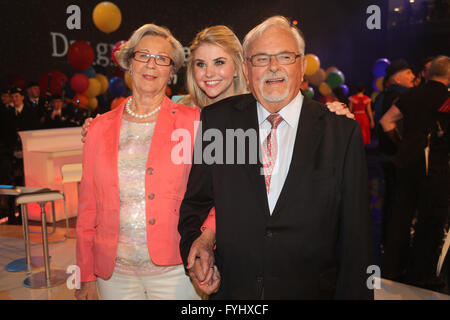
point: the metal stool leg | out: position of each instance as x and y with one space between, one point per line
48 278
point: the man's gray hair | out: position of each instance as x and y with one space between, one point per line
440 67
275 21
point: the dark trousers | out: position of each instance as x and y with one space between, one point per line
407 201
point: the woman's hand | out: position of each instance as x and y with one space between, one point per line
87 291
340 109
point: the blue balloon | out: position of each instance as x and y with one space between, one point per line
89 72
344 88
117 87
379 67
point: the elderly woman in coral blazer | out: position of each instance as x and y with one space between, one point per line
131 189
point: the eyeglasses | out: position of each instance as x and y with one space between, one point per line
263 59
160 60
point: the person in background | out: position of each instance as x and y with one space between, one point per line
23 117
34 99
423 181
58 116
360 106
399 79
6 99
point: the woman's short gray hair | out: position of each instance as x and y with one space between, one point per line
125 53
278 21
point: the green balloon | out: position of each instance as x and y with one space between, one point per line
309 92
335 79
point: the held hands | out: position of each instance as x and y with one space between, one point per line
204 274
88 291
340 109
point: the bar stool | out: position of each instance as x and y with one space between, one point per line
48 278
70 172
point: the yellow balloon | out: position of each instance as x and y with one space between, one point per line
107 17
103 82
325 89
94 88
93 103
312 64
379 83
128 80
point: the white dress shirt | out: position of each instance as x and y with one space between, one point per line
286 133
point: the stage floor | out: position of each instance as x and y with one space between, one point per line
63 255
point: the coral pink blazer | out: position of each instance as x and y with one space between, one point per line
165 185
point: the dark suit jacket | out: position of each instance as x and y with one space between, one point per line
317 244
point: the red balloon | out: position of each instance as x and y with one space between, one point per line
79 83
81 100
80 55
52 82
114 49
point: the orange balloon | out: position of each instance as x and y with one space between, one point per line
81 100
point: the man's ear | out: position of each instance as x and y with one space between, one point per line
245 70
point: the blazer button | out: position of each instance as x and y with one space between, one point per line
151 221
269 234
149 171
151 196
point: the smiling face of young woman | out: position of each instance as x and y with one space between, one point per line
214 72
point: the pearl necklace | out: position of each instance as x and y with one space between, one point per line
139 116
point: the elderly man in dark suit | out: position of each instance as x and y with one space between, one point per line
295 223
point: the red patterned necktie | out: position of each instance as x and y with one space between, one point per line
270 149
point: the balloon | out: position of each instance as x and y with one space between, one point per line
79 83
80 55
81 100
94 88
327 72
317 78
52 82
325 89
103 82
309 92
107 17
374 95
312 64
379 83
18 80
344 88
114 49
89 72
117 87
335 79
93 103
116 102
379 67
129 82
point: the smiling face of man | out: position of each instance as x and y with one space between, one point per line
275 85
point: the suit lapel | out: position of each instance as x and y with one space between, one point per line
309 133
247 118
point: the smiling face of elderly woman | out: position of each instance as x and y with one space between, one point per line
151 78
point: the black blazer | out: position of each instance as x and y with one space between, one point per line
317 244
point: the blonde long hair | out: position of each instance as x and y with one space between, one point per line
223 37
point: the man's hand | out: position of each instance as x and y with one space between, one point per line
340 109
201 257
88 291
